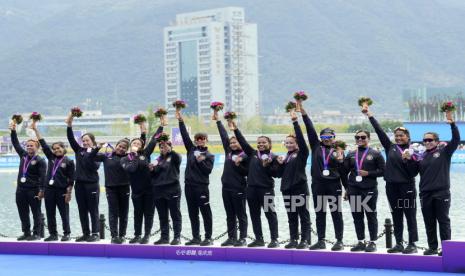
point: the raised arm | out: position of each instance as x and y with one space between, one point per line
224 136
153 142
244 144
69 133
14 140
143 137
72 141
383 138
311 132
454 142
300 139
143 132
46 149
185 136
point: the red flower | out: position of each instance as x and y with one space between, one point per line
76 112
179 104
230 115
139 118
160 112
300 96
217 106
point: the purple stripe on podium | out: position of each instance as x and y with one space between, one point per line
134 251
453 256
259 255
452 260
29 248
378 261
195 253
77 249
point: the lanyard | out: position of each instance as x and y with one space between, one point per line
326 158
26 164
359 164
56 166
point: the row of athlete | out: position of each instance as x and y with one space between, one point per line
247 177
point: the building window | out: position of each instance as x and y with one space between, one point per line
188 75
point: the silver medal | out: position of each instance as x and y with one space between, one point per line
325 172
234 158
197 153
359 178
23 179
51 182
265 157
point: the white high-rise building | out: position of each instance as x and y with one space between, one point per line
210 56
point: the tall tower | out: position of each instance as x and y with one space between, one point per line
210 56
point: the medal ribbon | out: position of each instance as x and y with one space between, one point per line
56 166
359 164
26 164
230 155
326 158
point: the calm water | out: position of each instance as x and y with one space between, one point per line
10 224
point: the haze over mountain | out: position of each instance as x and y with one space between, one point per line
57 53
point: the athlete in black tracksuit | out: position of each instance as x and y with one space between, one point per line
260 187
167 191
30 187
234 189
295 190
434 169
60 181
364 191
400 190
117 190
325 187
136 165
196 187
87 189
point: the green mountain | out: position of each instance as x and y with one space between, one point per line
57 53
